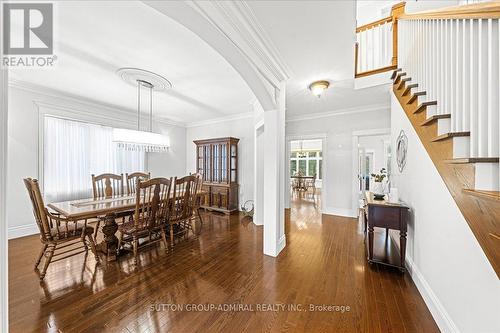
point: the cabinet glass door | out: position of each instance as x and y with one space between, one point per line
233 163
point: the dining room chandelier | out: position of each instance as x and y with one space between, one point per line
140 140
301 153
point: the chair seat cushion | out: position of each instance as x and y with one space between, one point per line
69 232
130 227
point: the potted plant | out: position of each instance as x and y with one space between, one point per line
378 186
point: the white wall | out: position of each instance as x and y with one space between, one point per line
242 129
447 264
339 128
173 162
25 107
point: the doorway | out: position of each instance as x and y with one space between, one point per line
306 171
372 153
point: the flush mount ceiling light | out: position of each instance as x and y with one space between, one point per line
318 87
138 140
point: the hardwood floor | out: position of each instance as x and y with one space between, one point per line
324 263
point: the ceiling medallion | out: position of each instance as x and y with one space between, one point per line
318 87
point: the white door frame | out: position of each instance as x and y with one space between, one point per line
324 179
257 127
4 305
355 161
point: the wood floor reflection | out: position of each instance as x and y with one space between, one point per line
324 263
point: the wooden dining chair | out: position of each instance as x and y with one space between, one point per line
310 183
183 205
131 180
106 185
151 212
57 233
199 200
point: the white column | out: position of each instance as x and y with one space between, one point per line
274 180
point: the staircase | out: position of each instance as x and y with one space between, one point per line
447 82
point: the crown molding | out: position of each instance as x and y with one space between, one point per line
237 22
238 116
339 112
84 101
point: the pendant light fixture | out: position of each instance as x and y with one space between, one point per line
139 140
301 153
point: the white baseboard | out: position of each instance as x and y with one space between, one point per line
339 212
439 313
22 230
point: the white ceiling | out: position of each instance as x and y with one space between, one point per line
316 41
95 38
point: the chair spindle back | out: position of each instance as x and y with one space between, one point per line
39 211
152 202
184 196
131 180
107 185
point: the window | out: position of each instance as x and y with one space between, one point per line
309 163
73 151
293 166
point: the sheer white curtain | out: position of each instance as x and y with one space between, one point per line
73 151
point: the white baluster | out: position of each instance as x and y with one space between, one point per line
493 88
473 88
439 70
482 129
448 68
458 75
452 69
465 74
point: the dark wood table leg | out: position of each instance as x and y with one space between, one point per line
110 242
370 242
402 247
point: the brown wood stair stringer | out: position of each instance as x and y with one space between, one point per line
480 210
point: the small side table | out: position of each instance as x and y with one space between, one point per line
384 214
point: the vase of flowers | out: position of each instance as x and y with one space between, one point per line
378 184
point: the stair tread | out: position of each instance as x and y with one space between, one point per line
473 160
493 195
409 87
415 95
450 135
423 105
434 118
393 76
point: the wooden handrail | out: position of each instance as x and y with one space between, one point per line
375 71
396 11
372 25
484 10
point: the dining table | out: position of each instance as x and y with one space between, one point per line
301 182
107 208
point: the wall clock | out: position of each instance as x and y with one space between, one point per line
401 150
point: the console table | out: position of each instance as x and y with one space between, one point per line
384 214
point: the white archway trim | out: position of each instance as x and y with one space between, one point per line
190 15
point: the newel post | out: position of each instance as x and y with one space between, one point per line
396 11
